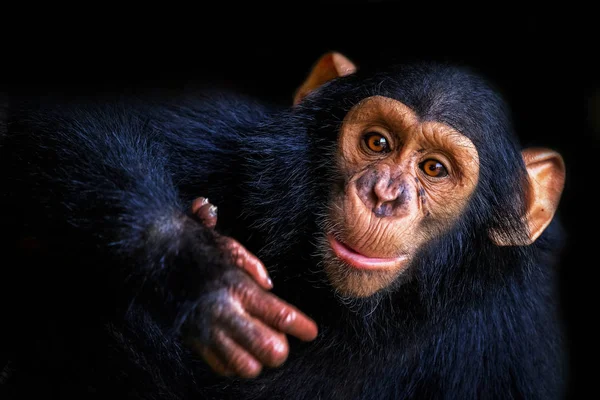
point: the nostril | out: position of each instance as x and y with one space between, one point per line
402 197
393 206
383 210
372 198
366 186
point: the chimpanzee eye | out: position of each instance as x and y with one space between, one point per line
434 168
376 142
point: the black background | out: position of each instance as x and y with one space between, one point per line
542 63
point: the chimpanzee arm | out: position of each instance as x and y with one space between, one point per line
98 181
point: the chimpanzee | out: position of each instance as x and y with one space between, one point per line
410 241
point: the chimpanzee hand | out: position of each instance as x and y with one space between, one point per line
207 214
238 327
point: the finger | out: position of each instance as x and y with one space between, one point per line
249 263
197 203
211 359
268 346
234 357
205 211
280 315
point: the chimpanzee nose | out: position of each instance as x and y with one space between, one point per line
382 194
391 196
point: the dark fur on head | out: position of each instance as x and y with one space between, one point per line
471 320
501 294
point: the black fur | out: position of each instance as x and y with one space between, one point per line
105 186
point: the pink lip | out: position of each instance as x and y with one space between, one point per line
360 261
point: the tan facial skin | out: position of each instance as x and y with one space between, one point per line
390 205
388 209
377 220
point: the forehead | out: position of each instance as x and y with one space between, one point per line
401 119
454 96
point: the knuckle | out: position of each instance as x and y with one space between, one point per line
234 248
237 252
252 371
269 348
243 290
244 365
215 307
284 318
277 351
230 245
216 335
204 322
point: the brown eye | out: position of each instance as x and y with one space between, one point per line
434 168
376 142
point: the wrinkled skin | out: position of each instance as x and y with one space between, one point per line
247 324
390 205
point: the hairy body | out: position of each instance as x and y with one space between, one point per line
103 190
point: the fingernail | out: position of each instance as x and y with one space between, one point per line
212 211
269 282
204 201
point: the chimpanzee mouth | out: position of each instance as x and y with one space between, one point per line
360 261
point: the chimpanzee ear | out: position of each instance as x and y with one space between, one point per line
546 170
330 66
